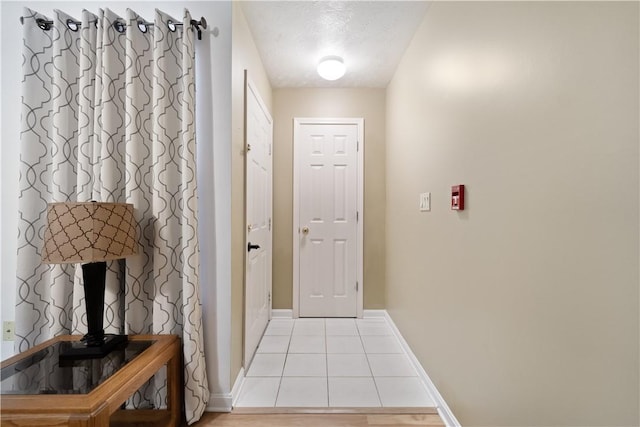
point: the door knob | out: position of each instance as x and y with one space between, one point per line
305 230
250 246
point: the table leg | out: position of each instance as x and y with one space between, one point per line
174 387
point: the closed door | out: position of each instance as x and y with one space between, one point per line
259 131
328 216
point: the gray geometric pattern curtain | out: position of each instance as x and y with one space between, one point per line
108 114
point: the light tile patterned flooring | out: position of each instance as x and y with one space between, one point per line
331 363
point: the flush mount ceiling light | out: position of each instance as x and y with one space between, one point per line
331 68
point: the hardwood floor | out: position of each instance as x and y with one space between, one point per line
318 420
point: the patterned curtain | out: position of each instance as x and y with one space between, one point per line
108 114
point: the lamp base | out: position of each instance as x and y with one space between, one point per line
80 350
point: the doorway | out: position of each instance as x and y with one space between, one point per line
328 217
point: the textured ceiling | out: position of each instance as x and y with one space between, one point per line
371 36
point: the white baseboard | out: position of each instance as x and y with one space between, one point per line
237 386
374 313
219 402
223 402
282 313
443 409
285 313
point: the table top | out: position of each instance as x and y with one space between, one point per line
44 373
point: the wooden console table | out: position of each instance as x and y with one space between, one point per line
101 406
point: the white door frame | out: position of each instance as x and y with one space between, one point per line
252 90
297 122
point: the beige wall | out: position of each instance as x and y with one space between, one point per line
244 57
366 103
524 307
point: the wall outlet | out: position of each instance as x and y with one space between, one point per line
8 333
425 202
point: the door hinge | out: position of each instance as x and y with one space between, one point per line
357 145
248 147
357 286
269 224
269 149
269 296
357 216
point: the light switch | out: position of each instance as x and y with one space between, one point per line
425 202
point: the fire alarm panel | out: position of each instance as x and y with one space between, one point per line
457 197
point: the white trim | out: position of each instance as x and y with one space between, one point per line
360 241
443 409
224 402
237 386
297 122
219 402
375 313
282 313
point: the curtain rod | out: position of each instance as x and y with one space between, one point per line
120 26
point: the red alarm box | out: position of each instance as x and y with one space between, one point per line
457 197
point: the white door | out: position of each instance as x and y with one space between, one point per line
328 217
259 131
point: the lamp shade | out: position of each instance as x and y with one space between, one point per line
88 232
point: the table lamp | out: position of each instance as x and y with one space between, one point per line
90 233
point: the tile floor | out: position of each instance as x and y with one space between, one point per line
331 363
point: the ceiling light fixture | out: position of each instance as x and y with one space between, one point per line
331 68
